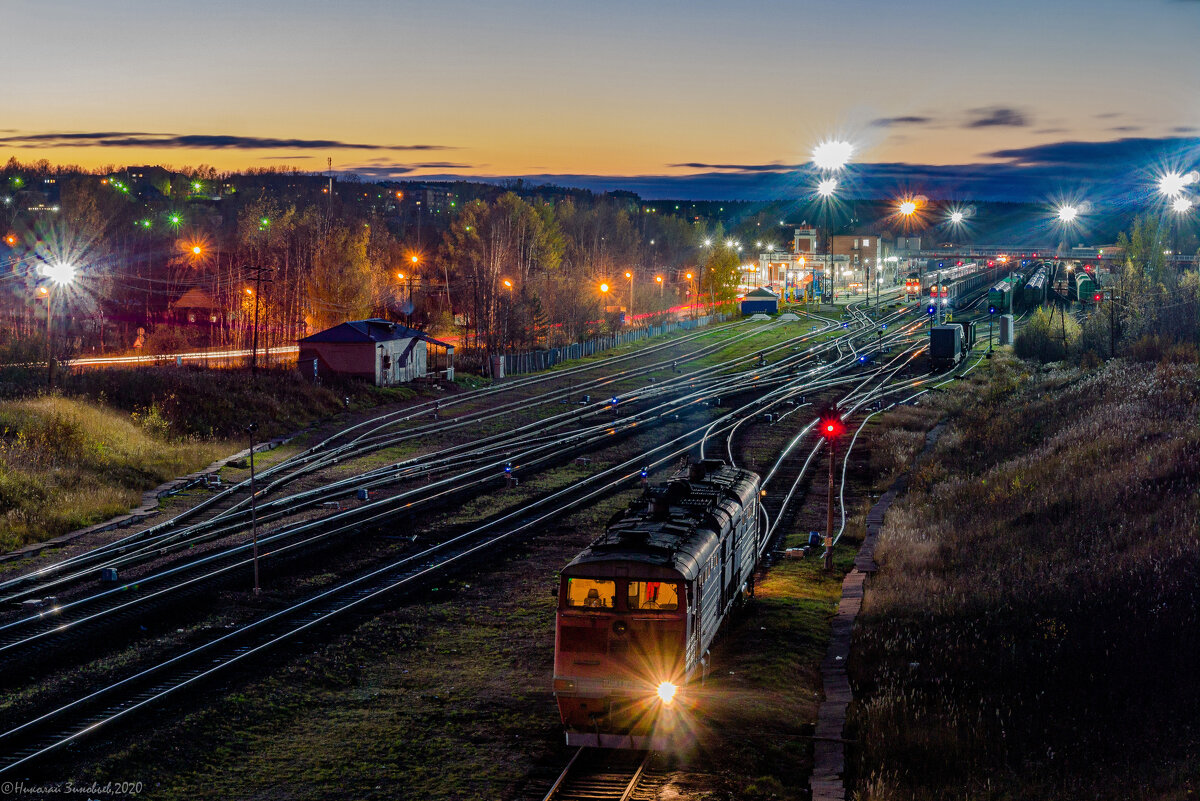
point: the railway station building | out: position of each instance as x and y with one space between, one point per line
375 350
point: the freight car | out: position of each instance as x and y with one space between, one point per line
1035 290
1083 286
639 608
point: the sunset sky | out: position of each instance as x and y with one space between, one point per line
614 88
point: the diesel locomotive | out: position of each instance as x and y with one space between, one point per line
639 608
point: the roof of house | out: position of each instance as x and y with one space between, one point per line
761 294
195 298
372 330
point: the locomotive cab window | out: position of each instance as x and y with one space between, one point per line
662 595
591 594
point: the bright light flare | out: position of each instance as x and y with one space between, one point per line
604 287
60 272
1067 214
832 154
956 217
827 187
1172 183
666 692
908 208
1182 205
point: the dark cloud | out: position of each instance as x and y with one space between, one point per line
1130 150
1107 115
1125 128
1184 129
382 172
997 116
198 141
774 166
891 122
1050 130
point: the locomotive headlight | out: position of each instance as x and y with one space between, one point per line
666 692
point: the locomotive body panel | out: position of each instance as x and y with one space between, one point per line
639 608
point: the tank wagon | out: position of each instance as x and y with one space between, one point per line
639 608
1035 290
1000 297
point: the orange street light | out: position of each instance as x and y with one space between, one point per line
415 259
604 287
43 290
11 239
658 278
400 276
197 250
508 283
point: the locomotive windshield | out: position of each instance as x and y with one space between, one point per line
591 594
653 595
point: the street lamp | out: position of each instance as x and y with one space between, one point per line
832 155
1067 213
658 278
1182 205
60 274
825 190
1172 184
507 309
629 275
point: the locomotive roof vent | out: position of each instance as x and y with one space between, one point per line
696 471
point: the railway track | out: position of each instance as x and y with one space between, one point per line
150 542
595 774
60 727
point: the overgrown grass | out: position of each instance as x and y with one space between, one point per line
1033 632
66 463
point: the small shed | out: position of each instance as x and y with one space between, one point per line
760 301
375 350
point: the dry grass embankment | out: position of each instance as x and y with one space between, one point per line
67 463
1033 633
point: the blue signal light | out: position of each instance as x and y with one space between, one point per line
508 467
615 401
991 309
932 310
645 472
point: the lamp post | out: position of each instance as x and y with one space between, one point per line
60 274
825 190
689 279
830 157
629 275
658 279
507 311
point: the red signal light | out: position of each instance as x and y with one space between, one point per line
831 428
1098 297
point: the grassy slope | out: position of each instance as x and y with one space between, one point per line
66 463
1033 633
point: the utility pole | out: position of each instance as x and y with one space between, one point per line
258 282
250 429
